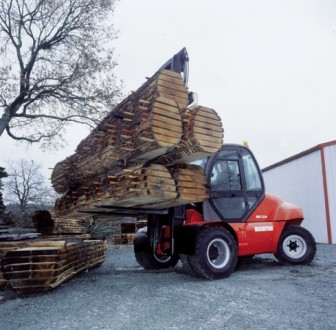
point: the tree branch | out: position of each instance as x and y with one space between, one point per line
58 66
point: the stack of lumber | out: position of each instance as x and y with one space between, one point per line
129 159
202 136
123 239
191 184
140 224
68 225
43 265
43 222
47 223
144 126
127 232
153 186
139 185
4 248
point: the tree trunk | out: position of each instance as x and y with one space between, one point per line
4 121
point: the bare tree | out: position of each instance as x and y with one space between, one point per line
3 174
56 66
26 186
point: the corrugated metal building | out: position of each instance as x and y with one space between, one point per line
308 179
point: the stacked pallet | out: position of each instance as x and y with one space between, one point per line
129 159
42 266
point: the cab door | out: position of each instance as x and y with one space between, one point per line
236 184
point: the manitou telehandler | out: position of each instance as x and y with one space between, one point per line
238 220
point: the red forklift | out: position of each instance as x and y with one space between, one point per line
238 220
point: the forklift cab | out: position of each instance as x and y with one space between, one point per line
235 182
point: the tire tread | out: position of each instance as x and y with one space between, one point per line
307 236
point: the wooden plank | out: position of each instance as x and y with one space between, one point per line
181 101
203 137
173 84
161 109
166 140
193 191
159 131
174 93
162 100
200 119
171 121
170 73
176 81
211 144
169 124
168 82
151 154
205 109
208 132
207 115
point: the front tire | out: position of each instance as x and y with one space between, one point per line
296 246
145 256
215 253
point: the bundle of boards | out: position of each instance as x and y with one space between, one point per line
47 223
38 266
139 154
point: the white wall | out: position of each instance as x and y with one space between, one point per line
330 164
300 182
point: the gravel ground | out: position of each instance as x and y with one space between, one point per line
261 294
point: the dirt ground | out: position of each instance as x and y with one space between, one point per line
261 294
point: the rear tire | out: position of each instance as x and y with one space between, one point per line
187 264
296 246
145 256
215 253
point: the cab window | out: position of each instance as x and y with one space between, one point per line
236 184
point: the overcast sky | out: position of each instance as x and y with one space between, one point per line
267 67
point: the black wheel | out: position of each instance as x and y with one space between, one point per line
215 253
145 256
187 266
296 246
